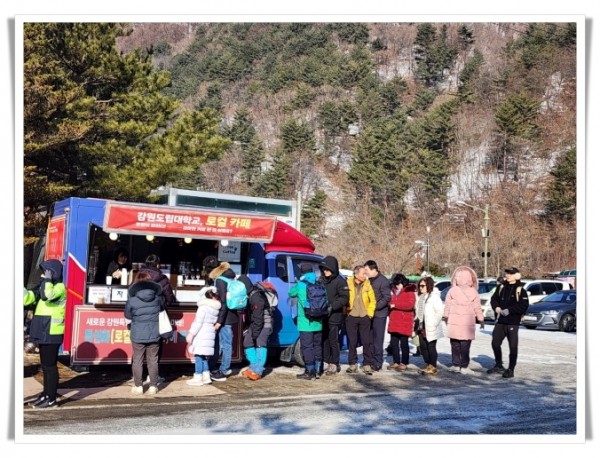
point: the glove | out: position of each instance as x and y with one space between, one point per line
504 312
48 274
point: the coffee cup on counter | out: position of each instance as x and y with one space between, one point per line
109 279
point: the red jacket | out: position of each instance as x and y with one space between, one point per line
402 310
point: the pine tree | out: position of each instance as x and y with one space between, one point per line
313 219
297 136
561 202
252 158
276 182
96 121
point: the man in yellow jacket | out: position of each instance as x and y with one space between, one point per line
48 327
360 310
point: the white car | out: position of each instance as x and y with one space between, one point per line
536 290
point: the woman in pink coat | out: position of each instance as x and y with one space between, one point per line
461 312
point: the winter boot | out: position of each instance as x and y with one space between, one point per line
318 369
206 380
309 374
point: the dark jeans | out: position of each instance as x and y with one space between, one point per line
49 363
398 342
460 352
428 351
511 332
378 336
356 327
311 346
331 343
150 351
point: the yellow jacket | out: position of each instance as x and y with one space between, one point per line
368 296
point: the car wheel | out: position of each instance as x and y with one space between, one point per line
567 323
531 327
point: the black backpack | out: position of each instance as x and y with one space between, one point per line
317 304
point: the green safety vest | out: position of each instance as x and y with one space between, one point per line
54 307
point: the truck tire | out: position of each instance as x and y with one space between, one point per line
298 354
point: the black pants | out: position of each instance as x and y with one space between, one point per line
428 351
461 350
399 343
331 343
359 327
310 344
49 363
511 332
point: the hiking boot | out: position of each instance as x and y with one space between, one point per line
352 369
367 370
393 366
152 390
46 404
508 373
41 398
218 376
496 370
137 390
401 367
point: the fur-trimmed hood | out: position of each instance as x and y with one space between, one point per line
218 271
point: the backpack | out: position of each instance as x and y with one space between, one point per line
317 304
269 292
237 296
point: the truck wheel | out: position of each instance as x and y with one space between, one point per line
567 323
298 354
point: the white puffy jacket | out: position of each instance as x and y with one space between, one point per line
433 313
203 328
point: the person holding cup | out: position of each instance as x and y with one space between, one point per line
118 263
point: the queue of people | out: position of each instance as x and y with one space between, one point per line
366 303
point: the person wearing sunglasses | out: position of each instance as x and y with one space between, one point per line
428 323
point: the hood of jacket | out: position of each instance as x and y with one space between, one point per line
54 266
211 303
331 263
309 277
464 276
145 290
220 270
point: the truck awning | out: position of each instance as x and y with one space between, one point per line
173 221
287 238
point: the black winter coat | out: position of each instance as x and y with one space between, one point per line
383 295
505 297
338 293
164 282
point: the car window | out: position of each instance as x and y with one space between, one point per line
550 288
535 289
296 265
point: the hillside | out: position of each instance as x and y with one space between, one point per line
393 123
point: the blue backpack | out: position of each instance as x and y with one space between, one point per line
237 296
317 304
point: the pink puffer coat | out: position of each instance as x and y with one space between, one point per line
463 305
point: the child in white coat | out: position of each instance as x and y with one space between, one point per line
201 335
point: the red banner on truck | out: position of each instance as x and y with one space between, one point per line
55 238
186 222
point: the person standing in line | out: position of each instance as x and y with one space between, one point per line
224 325
337 295
259 328
402 318
461 311
509 302
201 335
428 323
48 327
311 330
144 303
383 294
151 268
361 307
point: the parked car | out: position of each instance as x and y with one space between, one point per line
568 276
556 311
536 289
441 285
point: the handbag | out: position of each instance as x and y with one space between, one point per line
165 329
417 328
